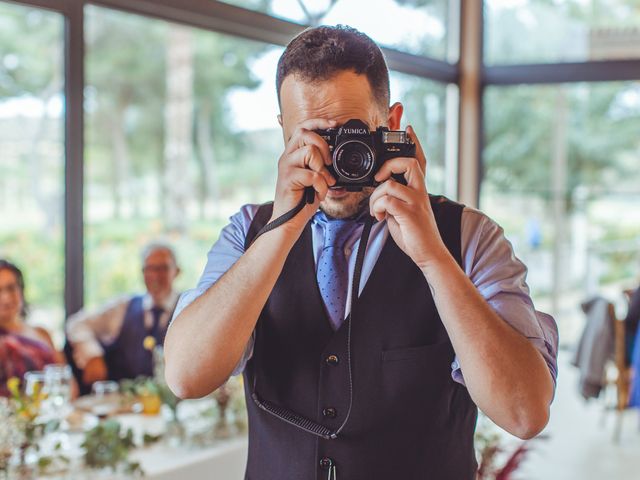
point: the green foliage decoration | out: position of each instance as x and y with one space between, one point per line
108 446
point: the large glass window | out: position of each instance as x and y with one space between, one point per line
548 31
431 108
181 131
423 27
32 156
562 177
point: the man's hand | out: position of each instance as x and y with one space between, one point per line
95 370
407 208
303 164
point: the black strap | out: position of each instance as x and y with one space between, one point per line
283 413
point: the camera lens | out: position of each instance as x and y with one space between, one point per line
353 160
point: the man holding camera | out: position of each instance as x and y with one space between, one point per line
443 320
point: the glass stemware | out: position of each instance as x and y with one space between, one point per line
107 399
57 387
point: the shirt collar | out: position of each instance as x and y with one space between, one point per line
167 305
321 218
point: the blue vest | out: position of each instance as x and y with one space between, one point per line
126 356
409 420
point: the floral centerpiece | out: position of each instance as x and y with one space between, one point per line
10 435
21 414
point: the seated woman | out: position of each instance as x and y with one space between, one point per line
22 347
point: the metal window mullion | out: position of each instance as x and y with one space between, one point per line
74 146
229 19
211 15
545 73
52 5
419 66
470 112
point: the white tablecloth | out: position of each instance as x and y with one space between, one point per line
222 460
225 460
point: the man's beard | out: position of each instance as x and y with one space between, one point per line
348 206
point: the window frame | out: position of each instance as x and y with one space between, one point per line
470 74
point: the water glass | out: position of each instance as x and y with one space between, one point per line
107 400
58 381
34 384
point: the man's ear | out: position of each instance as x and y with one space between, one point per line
280 119
395 116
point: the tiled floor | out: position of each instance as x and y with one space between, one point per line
580 445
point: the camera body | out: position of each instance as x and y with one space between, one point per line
357 153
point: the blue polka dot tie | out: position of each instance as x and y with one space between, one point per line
333 270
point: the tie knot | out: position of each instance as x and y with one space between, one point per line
157 311
337 232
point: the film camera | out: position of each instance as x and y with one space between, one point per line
357 153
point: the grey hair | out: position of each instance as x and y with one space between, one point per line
149 248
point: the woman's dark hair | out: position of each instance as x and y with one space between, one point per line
319 53
7 265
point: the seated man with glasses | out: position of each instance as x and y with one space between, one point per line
117 341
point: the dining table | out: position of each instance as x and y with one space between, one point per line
213 457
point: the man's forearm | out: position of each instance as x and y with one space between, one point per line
208 337
506 376
82 336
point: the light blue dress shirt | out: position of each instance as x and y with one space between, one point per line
487 259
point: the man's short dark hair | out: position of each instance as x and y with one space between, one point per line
319 53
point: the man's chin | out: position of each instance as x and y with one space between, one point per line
339 203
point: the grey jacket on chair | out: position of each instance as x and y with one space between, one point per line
595 347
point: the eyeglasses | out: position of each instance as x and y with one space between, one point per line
156 268
11 289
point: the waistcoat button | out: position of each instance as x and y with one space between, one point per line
332 360
330 412
326 463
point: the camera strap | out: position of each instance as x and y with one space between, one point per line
283 413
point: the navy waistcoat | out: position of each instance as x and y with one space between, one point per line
409 420
126 356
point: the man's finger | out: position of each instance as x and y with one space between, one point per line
420 155
408 166
393 189
310 158
318 123
303 137
387 205
302 178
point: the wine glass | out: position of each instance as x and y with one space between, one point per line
57 383
34 385
107 400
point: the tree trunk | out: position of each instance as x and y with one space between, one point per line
207 159
121 163
178 126
47 204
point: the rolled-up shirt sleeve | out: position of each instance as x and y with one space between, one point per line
221 257
500 277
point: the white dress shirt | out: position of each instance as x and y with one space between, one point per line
88 331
